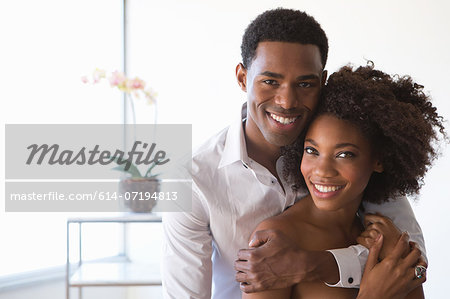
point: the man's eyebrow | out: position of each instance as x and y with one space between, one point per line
271 74
308 77
277 75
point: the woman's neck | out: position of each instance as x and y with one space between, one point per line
344 220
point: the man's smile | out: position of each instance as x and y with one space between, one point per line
283 119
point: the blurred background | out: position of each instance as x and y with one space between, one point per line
186 50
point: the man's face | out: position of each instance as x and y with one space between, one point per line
283 85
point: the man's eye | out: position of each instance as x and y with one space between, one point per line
311 151
345 155
305 84
270 82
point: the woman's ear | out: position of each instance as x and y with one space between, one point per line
378 167
241 76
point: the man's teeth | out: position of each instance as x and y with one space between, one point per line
283 120
325 189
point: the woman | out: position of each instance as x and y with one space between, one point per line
372 138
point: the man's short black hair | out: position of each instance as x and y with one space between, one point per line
283 25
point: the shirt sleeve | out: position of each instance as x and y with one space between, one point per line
186 253
352 260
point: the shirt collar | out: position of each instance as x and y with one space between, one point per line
235 148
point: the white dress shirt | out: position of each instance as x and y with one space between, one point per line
231 195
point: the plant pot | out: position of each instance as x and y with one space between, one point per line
137 194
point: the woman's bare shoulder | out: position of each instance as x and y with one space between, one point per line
290 221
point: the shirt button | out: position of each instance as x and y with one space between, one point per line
350 280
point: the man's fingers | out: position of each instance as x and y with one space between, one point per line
366 242
241 276
374 218
243 254
370 233
241 266
247 288
371 218
260 237
368 237
374 252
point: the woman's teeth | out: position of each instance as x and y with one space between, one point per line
283 120
325 189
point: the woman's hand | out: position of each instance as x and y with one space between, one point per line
376 225
394 277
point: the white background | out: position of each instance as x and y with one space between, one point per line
187 51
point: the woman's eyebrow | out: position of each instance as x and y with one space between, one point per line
345 144
311 141
339 145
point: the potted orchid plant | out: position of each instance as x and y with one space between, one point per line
137 189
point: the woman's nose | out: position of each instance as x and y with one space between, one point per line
324 167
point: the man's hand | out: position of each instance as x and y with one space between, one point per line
275 262
392 278
375 225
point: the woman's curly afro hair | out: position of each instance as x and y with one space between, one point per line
397 118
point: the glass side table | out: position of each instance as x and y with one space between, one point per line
116 271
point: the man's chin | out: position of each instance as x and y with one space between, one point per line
280 140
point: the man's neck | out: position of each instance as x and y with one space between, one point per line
260 150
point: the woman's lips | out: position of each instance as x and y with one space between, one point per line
325 191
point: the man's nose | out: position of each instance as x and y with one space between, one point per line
286 97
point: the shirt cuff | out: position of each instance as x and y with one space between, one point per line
351 262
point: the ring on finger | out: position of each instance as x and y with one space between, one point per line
420 271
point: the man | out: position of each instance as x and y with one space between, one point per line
237 179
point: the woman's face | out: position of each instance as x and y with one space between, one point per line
337 163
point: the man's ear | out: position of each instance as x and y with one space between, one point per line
324 77
241 76
378 167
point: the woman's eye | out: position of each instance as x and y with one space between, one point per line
346 155
311 151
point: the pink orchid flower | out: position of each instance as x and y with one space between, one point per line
134 87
